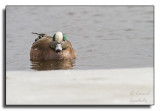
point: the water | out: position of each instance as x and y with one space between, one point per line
103 37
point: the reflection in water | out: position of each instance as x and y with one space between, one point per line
52 65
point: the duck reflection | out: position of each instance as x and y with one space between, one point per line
52 65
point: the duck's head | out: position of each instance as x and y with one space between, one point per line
59 42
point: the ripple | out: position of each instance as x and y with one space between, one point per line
129 29
111 39
71 13
84 12
147 38
150 21
90 50
97 15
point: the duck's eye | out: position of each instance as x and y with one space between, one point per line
54 37
64 37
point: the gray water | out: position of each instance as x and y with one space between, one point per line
103 37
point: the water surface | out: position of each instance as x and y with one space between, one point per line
103 37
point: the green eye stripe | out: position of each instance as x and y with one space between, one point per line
64 37
53 37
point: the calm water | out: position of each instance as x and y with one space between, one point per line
102 36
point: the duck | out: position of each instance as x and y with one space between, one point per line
55 47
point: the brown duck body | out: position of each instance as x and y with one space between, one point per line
41 50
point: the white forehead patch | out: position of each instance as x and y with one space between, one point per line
59 37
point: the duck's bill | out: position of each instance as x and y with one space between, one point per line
58 48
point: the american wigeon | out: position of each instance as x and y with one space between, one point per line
52 48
